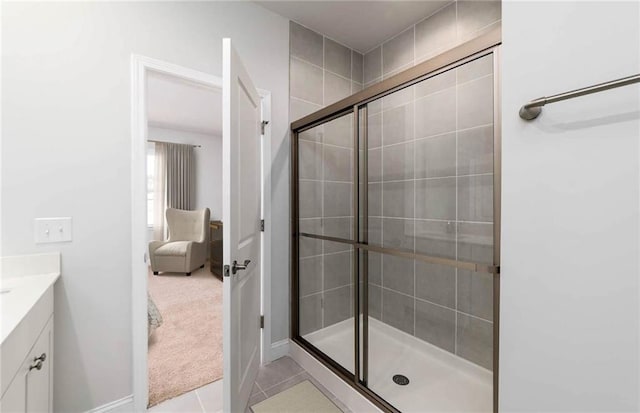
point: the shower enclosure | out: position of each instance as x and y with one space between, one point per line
395 225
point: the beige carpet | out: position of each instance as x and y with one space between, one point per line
303 397
185 352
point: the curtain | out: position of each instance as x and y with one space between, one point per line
174 183
180 179
160 191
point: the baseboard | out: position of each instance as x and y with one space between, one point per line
279 349
124 405
355 401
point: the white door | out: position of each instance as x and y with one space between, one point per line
241 137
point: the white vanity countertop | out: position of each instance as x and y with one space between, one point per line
23 281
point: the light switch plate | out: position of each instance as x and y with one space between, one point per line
53 230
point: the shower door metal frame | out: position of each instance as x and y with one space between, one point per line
487 44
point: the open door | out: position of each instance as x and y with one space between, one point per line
241 162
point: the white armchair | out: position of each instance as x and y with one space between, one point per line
186 248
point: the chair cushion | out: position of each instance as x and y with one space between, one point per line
174 249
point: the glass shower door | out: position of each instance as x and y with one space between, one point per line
326 225
428 340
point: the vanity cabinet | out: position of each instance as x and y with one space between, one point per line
31 388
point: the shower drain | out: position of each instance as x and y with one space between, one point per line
400 379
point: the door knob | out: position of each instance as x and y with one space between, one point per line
237 267
38 362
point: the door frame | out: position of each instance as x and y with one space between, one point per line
140 67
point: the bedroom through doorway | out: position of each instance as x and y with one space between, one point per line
184 234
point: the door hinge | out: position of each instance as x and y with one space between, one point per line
263 125
261 321
262 225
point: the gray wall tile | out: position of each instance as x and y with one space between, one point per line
398 199
436 238
475 294
305 44
475 340
310 274
306 81
398 162
335 88
436 83
309 246
375 301
473 15
337 164
475 242
375 268
339 131
337 305
337 269
357 67
475 69
437 32
397 273
436 283
310 199
356 87
398 310
436 113
397 124
337 199
310 160
475 198
436 325
436 156
300 109
310 314
475 151
339 228
375 165
436 198
398 51
337 58
475 103
398 233
373 65
399 98
375 231
375 200
374 130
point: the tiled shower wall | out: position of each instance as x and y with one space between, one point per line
430 182
430 159
322 72
455 23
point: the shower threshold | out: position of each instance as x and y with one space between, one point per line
438 380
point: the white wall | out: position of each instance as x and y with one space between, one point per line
66 151
208 160
570 211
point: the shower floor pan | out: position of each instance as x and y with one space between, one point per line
438 380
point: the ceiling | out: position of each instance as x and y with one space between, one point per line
360 25
174 103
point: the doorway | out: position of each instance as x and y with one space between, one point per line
144 70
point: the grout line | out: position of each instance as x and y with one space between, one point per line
455 290
307 101
279 383
199 401
318 67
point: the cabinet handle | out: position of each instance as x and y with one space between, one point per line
38 362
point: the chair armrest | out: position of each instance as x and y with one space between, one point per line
154 245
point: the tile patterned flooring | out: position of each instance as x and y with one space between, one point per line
273 378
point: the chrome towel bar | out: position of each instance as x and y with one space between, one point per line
532 109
